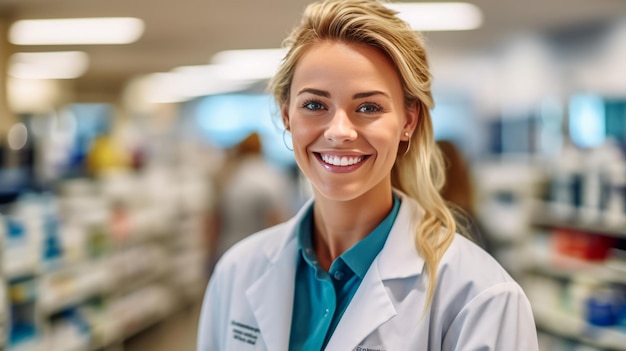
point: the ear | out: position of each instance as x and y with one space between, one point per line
412 116
284 113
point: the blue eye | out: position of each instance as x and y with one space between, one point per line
313 105
369 108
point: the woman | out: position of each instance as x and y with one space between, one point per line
372 262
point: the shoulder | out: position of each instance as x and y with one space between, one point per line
234 274
257 248
465 260
241 265
481 303
468 275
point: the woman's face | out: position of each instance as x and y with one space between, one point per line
347 117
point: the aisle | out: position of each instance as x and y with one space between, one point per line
177 333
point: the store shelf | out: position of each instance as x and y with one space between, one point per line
17 262
156 307
570 327
572 255
101 272
567 267
72 286
543 216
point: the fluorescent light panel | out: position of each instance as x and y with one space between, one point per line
254 64
104 30
48 65
248 56
229 71
439 16
187 82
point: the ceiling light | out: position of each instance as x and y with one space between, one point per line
439 16
264 55
205 80
112 30
187 82
48 65
255 64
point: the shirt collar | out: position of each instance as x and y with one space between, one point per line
360 256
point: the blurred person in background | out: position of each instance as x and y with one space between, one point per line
252 195
372 261
458 191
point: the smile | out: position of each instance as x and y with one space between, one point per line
341 161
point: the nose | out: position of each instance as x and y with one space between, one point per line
340 128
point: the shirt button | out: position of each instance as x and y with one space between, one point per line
326 313
338 275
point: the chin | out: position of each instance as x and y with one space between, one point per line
338 193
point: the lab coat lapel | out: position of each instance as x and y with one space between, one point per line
271 298
370 307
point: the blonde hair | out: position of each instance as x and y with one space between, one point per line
420 172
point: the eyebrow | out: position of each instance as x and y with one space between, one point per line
315 92
368 94
355 96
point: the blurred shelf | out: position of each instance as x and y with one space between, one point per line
544 217
115 276
544 262
72 286
142 237
130 284
128 329
35 345
570 327
18 262
567 267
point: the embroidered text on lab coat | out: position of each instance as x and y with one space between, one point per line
363 348
245 333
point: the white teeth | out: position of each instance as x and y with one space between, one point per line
341 161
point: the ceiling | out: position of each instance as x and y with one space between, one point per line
189 32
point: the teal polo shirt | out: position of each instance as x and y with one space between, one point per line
320 297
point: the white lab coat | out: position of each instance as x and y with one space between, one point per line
477 306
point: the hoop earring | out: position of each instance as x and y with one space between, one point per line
285 141
408 146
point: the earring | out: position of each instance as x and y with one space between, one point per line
285 141
408 146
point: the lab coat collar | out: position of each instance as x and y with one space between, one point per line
398 259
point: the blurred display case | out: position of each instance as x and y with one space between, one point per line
575 258
565 248
102 259
577 279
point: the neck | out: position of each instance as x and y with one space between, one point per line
339 225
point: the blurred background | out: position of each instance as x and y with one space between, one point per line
134 152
